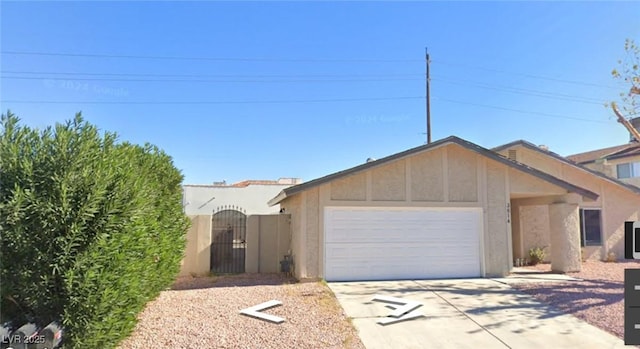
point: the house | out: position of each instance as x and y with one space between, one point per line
601 221
216 241
452 209
249 196
621 161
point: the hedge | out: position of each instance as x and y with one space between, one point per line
91 229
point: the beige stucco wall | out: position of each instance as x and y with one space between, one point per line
609 167
268 240
427 176
198 248
618 204
452 176
603 167
389 182
497 232
535 228
565 237
517 240
293 207
525 185
430 179
352 187
612 165
462 173
312 228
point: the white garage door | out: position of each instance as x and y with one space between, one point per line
401 243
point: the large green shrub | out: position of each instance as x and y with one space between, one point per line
91 229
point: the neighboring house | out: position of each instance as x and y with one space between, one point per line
621 161
454 209
216 241
249 196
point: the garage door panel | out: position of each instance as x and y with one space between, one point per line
383 244
383 231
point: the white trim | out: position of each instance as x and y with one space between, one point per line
405 208
445 174
368 186
407 180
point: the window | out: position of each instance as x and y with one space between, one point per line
628 170
590 227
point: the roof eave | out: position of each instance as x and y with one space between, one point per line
293 190
277 199
580 166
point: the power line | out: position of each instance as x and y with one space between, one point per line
202 80
221 59
533 93
575 82
301 101
517 110
312 60
466 83
253 76
523 91
212 102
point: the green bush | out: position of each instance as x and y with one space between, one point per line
91 229
536 255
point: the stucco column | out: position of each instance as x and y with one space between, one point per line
564 225
203 254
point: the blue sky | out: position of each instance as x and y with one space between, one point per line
261 90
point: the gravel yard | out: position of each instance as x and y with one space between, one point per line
204 313
598 298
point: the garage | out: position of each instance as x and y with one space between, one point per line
441 210
382 243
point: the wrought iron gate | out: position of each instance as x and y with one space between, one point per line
228 240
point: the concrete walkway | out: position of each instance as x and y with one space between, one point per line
468 313
520 275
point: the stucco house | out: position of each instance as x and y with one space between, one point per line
621 161
250 196
452 208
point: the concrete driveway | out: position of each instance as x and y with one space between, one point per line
469 313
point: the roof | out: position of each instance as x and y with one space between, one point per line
285 193
591 156
248 182
569 162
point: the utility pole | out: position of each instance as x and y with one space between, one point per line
428 80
